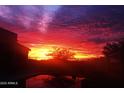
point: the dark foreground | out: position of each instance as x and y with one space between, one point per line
80 74
68 74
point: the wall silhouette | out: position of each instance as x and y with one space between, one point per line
13 56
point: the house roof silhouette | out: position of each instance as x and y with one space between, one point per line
9 37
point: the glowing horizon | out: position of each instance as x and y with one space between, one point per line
42 53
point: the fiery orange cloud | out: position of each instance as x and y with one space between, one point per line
40 53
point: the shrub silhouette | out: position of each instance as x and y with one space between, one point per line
62 54
115 50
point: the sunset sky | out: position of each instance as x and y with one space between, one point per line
82 28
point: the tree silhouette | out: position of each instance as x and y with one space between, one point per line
115 50
62 54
